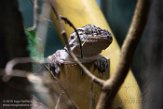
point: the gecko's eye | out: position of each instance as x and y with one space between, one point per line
72 37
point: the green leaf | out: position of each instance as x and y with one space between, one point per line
31 35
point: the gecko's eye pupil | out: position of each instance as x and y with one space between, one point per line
108 37
72 37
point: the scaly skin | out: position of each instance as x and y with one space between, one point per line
93 41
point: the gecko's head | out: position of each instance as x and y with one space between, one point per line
93 40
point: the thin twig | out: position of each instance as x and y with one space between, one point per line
87 72
59 17
58 101
35 15
35 12
42 87
112 85
60 85
71 25
63 32
42 28
9 69
15 73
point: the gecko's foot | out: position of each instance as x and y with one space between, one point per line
53 63
102 64
54 68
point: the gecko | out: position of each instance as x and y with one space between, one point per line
93 41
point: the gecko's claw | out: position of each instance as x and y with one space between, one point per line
102 64
54 68
53 64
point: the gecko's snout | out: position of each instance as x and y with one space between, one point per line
109 36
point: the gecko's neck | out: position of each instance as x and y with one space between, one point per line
66 58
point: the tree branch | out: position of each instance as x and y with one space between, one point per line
112 85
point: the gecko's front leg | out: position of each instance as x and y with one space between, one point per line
57 59
53 65
54 68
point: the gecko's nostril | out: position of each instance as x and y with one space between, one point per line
108 37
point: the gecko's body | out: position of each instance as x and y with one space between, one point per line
93 41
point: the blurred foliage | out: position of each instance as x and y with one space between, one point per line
53 42
31 43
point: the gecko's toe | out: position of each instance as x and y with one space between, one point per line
102 64
55 69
